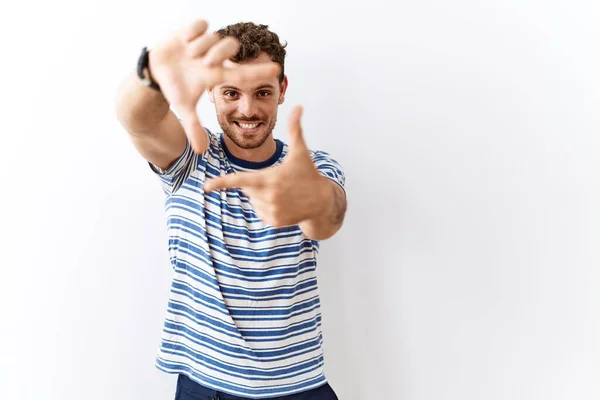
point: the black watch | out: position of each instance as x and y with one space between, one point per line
143 70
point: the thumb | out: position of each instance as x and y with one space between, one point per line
295 130
194 130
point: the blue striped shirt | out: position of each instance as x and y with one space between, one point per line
243 315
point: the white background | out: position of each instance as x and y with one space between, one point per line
469 131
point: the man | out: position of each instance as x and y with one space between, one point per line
245 214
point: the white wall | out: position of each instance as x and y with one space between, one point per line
468 266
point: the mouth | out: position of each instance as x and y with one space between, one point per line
248 128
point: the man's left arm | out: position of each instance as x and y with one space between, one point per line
307 189
330 217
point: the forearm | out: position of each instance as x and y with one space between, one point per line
330 217
138 107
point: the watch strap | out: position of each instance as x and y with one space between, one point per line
143 70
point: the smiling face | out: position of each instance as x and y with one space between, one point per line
247 110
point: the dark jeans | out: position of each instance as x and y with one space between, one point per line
187 389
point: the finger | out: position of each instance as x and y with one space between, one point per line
296 137
234 180
193 30
199 46
194 130
242 72
221 51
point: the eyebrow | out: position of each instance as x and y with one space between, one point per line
265 86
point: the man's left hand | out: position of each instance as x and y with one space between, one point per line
287 194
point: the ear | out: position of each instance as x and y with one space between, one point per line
211 95
282 89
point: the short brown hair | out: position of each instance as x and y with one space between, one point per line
253 40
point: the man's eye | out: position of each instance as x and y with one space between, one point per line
230 94
263 93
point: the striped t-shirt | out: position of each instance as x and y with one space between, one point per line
243 315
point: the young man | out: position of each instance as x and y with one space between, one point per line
245 214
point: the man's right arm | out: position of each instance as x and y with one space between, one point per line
184 66
154 129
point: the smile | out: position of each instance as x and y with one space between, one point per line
246 125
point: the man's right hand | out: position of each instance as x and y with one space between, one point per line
191 62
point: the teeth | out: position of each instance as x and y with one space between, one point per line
248 126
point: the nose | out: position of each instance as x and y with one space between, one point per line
247 106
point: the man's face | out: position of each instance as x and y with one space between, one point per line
247 110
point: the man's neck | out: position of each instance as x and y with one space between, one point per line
259 154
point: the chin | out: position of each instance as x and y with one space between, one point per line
248 143
247 139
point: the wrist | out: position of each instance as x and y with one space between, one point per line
324 193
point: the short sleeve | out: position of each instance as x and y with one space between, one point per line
329 168
172 178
